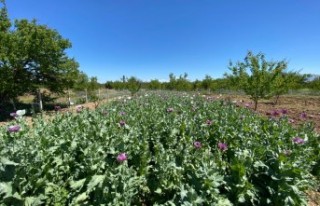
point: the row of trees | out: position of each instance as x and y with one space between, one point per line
255 76
180 83
33 57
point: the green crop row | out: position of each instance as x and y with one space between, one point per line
158 149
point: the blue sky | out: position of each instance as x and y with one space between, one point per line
151 38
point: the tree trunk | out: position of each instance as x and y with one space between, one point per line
277 98
69 98
255 105
86 90
13 104
40 100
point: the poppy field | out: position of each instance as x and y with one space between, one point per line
158 149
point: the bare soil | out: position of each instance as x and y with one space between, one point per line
299 109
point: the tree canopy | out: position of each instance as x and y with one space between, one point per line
256 76
32 56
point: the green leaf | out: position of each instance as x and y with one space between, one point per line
159 191
95 180
183 192
199 200
77 184
5 161
33 201
6 188
259 164
241 198
81 198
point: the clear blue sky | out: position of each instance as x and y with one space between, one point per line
151 38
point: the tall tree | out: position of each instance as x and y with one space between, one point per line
8 89
256 76
32 56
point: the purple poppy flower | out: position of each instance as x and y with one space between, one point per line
275 113
247 105
122 157
298 140
170 109
222 146
13 128
122 123
197 144
57 108
284 111
303 115
209 122
79 108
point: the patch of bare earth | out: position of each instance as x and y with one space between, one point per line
300 109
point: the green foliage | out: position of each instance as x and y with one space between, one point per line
32 56
283 83
155 85
72 160
179 84
258 82
133 84
315 84
93 89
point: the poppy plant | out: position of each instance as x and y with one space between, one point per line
122 157
222 146
13 128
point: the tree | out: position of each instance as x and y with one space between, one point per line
171 85
196 85
258 81
133 85
315 83
8 89
282 83
32 57
209 84
154 84
94 90
82 84
182 83
179 84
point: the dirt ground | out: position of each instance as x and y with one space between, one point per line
299 109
